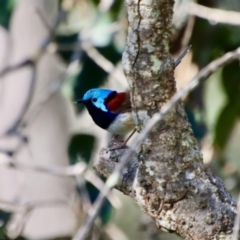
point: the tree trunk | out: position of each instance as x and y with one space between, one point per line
167 177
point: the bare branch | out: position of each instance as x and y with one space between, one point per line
178 61
109 167
214 15
31 62
28 206
77 170
112 180
69 171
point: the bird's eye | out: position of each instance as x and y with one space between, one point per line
94 99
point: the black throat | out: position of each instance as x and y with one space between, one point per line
101 118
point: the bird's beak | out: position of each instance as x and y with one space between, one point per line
80 101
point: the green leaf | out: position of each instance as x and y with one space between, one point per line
4 218
231 81
6 8
80 145
116 9
226 122
229 114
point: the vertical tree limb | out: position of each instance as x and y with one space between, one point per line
167 177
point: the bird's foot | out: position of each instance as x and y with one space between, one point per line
116 137
121 146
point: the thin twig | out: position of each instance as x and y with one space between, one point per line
179 59
97 182
25 208
68 171
15 206
77 170
83 232
9 69
214 15
188 32
112 180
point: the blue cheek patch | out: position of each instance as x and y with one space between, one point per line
100 104
100 95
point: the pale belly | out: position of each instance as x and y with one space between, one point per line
122 124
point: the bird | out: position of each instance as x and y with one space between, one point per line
110 110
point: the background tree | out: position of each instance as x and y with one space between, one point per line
52 57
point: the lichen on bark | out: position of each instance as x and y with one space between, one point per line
167 177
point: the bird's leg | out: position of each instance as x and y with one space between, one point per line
115 137
125 142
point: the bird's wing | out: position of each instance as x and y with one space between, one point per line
120 102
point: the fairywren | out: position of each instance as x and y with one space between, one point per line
110 110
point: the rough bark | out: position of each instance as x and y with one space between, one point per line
167 177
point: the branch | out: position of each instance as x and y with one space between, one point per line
108 165
114 178
32 62
194 82
167 178
69 171
28 206
214 15
24 209
77 170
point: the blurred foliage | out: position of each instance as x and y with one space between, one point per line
66 40
219 39
231 111
106 210
6 7
209 41
213 108
80 146
222 102
4 218
114 10
90 76
93 76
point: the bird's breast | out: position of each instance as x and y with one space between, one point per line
122 124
